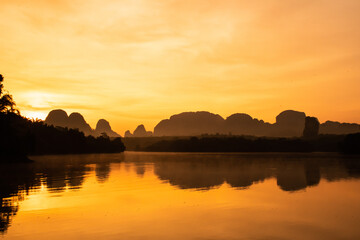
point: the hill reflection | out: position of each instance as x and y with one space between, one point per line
293 172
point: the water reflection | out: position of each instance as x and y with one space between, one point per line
102 171
55 172
15 183
293 172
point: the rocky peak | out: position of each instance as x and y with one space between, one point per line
140 131
103 126
57 117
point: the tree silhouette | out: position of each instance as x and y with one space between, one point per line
7 104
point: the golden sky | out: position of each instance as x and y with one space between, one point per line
139 61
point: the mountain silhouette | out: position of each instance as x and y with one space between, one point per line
140 131
244 124
330 127
288 123
190 124
57 117
75 120
128 134
103 126
311 128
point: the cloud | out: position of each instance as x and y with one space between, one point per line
153 58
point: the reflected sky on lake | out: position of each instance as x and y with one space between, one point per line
181 196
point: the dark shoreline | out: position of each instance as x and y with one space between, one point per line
342 144
15 159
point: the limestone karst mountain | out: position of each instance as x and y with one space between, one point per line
311 128
57 117
244 124
140 131
103 126
288 123
190 124
197 123
330 127
128 134
75 120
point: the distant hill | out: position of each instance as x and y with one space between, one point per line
103 126
330 127
190 124
140 131
75 120
288 123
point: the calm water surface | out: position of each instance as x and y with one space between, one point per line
181 196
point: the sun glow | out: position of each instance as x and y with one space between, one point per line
40 99
34 115
138 62
36 104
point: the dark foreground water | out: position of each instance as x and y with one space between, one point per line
181 196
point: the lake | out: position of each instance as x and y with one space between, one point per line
135 195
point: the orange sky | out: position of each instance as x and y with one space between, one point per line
140 61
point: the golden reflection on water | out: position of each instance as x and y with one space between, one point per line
182 196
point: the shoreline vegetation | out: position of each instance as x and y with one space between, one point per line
345 144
